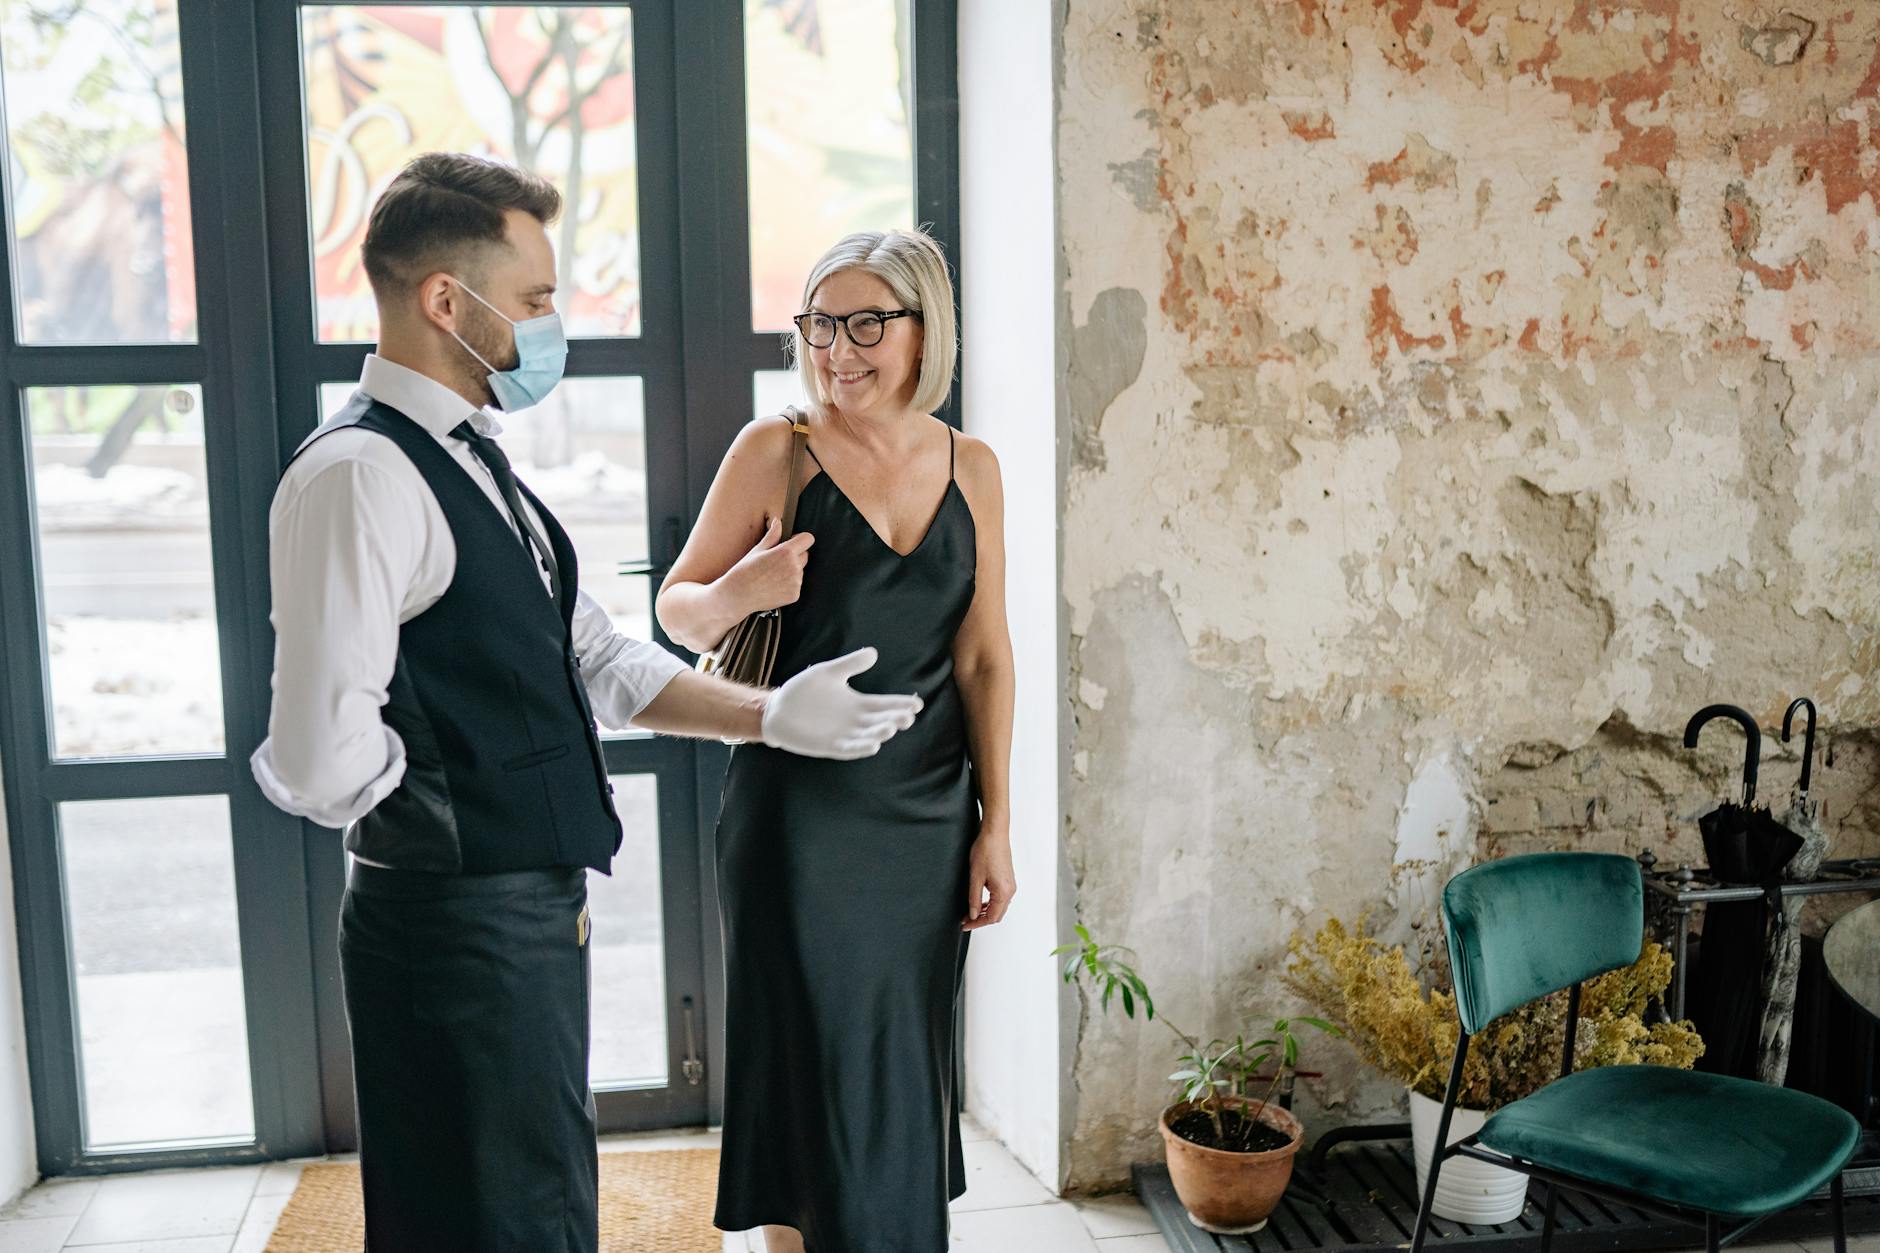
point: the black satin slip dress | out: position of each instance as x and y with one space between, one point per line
842 887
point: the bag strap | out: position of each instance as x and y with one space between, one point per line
799 440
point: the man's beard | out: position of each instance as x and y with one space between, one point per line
493 341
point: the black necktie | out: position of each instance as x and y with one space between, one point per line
491 455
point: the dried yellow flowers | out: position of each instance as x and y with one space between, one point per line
1371 992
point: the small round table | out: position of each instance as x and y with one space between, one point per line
1851 953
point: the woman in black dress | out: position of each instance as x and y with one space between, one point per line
848 890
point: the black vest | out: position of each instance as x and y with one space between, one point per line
503 766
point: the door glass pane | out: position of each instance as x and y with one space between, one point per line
121 501
549 88
97 184
583 451
629 954
773 391
828 90
150 899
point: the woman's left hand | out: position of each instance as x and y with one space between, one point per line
990 884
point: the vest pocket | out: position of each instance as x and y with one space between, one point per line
536 758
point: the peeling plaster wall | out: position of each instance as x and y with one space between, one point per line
1459 395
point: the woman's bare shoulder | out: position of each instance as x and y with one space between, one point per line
975 464
765 436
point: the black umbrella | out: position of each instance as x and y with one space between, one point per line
1744 843
1782 970
1808 741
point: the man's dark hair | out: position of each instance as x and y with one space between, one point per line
443 211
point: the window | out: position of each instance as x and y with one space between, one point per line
98 188
548 88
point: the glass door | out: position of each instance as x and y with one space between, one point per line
825 118
580 94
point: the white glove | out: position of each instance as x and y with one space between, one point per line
817 713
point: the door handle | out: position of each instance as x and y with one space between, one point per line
693 1068
657 569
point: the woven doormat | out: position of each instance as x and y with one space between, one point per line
652 1200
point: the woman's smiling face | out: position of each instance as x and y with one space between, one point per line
874 381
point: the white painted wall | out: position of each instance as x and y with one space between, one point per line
19 1167
1015 1065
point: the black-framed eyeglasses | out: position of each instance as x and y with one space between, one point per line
865 327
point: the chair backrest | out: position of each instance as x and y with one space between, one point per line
1522 927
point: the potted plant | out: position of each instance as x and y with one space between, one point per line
1230 1154
1408 1031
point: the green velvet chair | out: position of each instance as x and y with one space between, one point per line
1707 1149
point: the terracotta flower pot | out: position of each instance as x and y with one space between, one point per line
1227 1192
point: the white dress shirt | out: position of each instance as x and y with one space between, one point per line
358 545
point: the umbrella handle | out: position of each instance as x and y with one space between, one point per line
1752 749
1808 740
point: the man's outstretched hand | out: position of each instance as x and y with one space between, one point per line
817 713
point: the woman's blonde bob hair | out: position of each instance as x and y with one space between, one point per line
915 270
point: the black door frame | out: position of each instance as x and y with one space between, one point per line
259 369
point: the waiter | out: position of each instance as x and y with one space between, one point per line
437 675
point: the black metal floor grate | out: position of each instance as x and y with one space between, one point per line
1365 1200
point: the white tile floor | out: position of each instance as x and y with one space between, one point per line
1005 1210
233 1210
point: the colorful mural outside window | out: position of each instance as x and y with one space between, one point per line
828 94
99 188
548 88
97 180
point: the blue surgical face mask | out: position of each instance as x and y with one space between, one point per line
541 354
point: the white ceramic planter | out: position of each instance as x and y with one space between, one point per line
1467 1191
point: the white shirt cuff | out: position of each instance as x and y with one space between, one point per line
622 675
627 684
338 812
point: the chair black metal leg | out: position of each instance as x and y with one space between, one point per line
1442 1141
1839 1202
1713 1233
1429 1189
1547 1223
